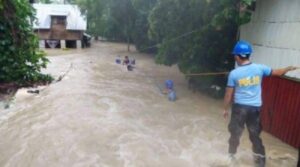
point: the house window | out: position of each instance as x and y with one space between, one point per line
58 20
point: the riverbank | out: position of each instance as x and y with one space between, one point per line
8 91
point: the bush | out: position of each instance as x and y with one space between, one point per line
20 60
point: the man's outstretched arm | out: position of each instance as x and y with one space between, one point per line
282 71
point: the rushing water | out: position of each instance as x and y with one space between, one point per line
102 115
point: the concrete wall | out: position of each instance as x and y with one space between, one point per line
275 33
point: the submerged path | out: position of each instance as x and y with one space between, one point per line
102 115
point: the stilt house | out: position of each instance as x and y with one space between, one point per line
59 25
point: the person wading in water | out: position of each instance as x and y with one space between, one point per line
244 89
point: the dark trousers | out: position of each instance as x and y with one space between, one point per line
249 115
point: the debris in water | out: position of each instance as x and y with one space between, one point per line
33 91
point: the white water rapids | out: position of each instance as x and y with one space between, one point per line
101 115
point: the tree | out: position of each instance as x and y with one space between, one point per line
114 19
97 14
46 1
198 35
119 20
123 12
20 61
140 37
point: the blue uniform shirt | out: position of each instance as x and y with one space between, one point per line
246 80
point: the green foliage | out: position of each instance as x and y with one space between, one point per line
124 14
119 20
109 18
141 26
198 35
97 14
46 1
20 61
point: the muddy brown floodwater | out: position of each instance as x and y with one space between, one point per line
102 115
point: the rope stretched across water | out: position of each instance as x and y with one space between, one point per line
207 74
170 40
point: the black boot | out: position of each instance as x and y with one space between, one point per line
259 160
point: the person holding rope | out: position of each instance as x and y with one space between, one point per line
244 89
169 90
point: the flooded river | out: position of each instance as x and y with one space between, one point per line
101 115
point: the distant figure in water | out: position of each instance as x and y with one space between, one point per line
169 89
132 62
169 84
129 63
126 61
172 95
129 67
118 60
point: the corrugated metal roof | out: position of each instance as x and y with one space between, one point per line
75 21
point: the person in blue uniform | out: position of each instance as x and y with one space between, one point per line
169 89
244 90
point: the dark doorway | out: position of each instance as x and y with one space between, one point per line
70 43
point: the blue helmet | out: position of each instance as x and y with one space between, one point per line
169 84
242 48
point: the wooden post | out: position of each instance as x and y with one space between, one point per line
63 44
78 44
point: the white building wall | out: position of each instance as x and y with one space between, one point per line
274 31
42 44
75 21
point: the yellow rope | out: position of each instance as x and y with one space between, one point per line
207 74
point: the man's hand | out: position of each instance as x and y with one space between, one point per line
282 71
291 68
227 101
225 114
